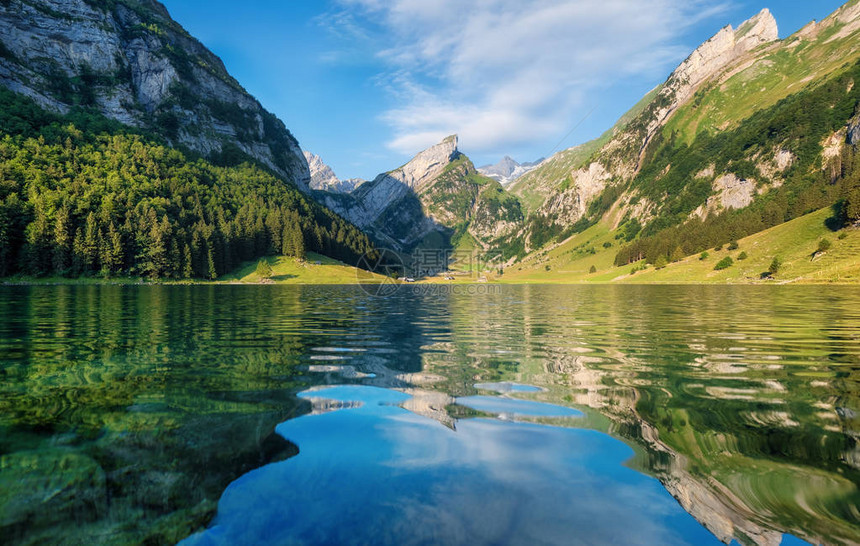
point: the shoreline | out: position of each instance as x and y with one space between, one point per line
530 282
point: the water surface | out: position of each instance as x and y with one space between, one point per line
534 415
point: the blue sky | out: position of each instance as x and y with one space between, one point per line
366 84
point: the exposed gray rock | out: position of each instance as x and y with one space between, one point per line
324 179
847 18
707 60
730 193
427 165
321 174
854 131
138 66
373 198
503 169
586 184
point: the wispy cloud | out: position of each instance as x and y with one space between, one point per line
507 72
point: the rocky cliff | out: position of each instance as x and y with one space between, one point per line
436 196
725 48
129 60
324 179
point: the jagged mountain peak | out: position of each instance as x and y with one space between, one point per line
723 50
427 164
761 27
323 177
437 196
724 47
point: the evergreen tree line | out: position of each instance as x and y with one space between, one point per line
74 203
799 124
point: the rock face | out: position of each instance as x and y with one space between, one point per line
324 179
507 171
132 62
573 203
321 174
438 192
427 165
854 130
848 17
706 61
726 46
730 193
388 189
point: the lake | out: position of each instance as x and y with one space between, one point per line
495 414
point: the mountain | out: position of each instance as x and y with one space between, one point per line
508 170
748 132
566 194
437 199
324 179
131 62
127 149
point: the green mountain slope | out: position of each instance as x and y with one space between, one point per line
794 243
749 132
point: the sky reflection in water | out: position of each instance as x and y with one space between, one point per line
377 473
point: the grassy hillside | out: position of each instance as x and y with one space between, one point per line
794 243
315 269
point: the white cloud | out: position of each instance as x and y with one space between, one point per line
507 72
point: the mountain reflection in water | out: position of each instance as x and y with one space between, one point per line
126 412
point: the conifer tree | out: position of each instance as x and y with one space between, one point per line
39 243
187 269
91 244
852 206
79 259
264 270
211 271
5 247
111 251
62 241
298 243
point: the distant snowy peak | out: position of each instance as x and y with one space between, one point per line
503 168
324 179
508 170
